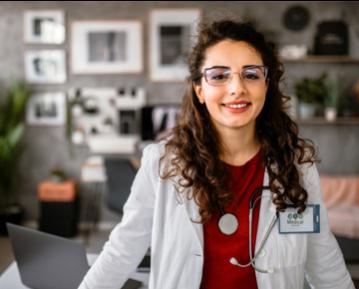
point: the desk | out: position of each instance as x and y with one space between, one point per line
10 278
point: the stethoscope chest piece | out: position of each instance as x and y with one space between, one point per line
228 224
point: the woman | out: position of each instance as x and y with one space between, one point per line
189 201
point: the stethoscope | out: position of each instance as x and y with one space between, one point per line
252 259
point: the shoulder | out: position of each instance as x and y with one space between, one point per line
152 154
310 180
307 171
154 150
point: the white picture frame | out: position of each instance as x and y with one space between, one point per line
45 66
172 33
44 26
46 109
105 47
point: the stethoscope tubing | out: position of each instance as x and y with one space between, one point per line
252 258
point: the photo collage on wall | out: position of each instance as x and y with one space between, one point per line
45 28
104 47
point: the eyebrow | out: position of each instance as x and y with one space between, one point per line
227 67
217 66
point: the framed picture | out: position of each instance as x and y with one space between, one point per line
44 26
106 47
45 66
172 33
47 108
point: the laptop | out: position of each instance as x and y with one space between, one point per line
47 261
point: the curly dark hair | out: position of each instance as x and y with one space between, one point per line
192 152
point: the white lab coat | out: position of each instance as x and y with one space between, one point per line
156 215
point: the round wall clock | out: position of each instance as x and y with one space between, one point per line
296 18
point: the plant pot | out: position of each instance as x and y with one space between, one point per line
330 114
11 214
307 110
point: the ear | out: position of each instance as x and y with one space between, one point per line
199 92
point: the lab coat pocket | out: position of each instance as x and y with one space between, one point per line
291 249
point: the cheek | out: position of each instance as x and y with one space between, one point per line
260 96
212 95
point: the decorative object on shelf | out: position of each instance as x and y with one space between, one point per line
330 113
45 66
331 38
311 93
171 36
100 47
44 26
12 114
293 51
331 100
90 105
296 18
47 108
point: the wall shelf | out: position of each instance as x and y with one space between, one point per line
323 121
324 59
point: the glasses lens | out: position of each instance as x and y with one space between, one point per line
217 75
254 74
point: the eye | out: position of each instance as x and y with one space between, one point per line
217 74
251 74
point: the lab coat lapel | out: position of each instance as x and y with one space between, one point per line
192 211
194 218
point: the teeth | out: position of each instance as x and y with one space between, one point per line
237 105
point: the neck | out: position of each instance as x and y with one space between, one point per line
239 145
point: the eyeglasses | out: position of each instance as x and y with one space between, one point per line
222 75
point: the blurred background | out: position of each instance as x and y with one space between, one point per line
86 85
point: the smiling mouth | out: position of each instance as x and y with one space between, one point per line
237 105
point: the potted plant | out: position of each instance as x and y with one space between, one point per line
12 111
58 175
311 93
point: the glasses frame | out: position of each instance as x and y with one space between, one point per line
264 67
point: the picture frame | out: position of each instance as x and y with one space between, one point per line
105 47
46 108
172 34
45 66
44 26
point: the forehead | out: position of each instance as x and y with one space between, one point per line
231 53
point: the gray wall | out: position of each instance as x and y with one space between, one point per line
47 147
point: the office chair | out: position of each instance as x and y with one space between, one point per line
120 174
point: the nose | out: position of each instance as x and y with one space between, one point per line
236 85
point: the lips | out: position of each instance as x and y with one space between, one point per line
237 105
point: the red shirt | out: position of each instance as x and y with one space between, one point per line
218 272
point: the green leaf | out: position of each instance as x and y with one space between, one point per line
12 114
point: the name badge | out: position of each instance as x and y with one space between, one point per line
290 222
